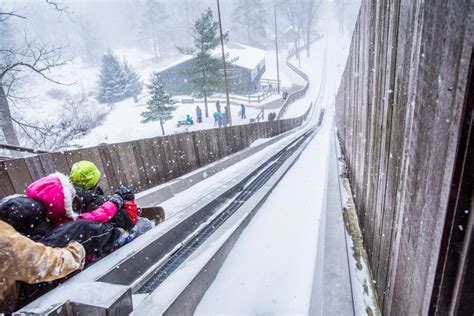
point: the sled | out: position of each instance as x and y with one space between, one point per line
155 214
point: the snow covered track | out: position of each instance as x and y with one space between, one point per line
135 268
199 259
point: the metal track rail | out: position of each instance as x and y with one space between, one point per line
248 187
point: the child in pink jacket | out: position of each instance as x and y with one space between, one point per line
57 193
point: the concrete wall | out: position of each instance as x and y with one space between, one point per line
399 111
144 163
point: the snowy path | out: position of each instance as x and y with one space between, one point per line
270 268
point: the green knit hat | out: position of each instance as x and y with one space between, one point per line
84 174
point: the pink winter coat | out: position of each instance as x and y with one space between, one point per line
102 214
56 193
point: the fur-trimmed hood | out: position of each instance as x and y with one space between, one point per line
56 193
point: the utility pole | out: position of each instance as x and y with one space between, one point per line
276 46
276 42
226 83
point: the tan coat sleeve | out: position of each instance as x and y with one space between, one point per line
34 262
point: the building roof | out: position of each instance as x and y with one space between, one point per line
246 56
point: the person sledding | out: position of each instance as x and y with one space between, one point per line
26 215
57 194
24 260
85 177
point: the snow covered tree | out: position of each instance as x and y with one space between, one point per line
205 75
111 80
160 105
249 18
133 85
117 81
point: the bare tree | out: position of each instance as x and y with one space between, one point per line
78 116
91 47
293 10
301 14
310 8
153 19
18 58
249 17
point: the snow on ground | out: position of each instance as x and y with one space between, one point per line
288 77
124 123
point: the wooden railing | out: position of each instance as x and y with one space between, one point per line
144 163
298 94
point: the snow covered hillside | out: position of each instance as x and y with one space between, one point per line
122 120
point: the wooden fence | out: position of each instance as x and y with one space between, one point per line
144 163
399 110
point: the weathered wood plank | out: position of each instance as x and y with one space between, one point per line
398 111
17 171
35 167
109 167
6 185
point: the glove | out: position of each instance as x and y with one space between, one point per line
125 193
117 200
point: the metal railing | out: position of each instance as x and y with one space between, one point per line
22 149
260 116
298 94
12 152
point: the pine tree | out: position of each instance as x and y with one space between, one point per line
133 85
111 80
205 75
249 17
160 105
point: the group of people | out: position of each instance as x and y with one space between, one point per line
60 225
221 119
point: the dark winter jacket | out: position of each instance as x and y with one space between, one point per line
127 216
88 200
25 215
97 238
